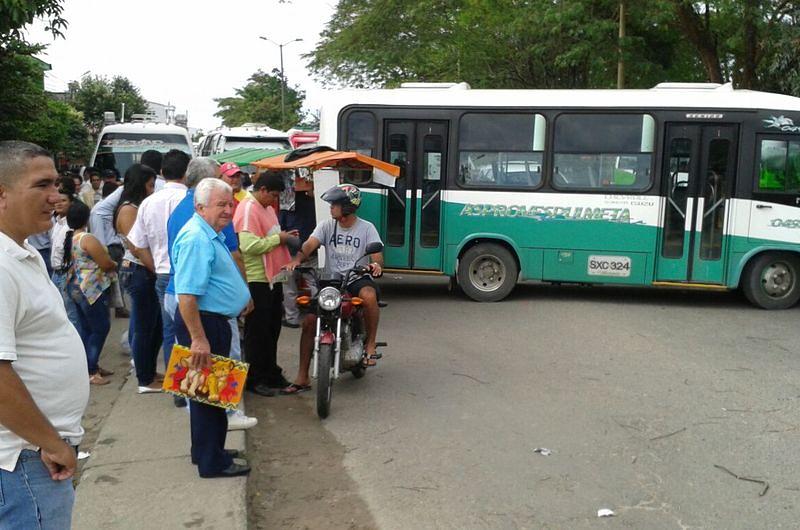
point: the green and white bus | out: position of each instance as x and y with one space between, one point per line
692 185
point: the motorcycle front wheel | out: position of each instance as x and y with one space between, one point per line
324 380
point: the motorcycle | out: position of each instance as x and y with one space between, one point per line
340 338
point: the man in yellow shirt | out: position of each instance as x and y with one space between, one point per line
232 174
262 244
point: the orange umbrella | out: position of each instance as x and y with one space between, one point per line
330 159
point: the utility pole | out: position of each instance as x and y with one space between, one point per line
620 60
283 77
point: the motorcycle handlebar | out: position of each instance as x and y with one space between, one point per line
360 269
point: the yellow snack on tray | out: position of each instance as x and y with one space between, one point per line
221 385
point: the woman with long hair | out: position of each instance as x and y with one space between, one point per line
58 237
139 281
91 270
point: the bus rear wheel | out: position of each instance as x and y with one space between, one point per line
772 280
487 272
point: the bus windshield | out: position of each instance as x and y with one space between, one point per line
121 150
236 142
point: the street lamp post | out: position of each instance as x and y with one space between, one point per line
283 77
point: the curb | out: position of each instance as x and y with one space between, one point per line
140 476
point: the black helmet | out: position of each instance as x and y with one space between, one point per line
347 195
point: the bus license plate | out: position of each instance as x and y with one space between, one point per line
618 266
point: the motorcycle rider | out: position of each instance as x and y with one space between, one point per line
344 236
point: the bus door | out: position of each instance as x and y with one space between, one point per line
413 211
699 172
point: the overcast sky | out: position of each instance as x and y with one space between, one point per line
185 52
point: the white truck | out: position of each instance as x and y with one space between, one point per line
121 145
254 135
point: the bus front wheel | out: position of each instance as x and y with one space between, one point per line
487 272
772 280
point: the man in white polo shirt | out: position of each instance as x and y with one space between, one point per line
149 232
43 384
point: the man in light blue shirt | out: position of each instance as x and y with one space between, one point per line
210 291
202 168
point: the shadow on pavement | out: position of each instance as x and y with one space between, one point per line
423 288
299 478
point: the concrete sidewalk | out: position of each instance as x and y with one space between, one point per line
139 475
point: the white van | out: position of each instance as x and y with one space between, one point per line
253 135
121 145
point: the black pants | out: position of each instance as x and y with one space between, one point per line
209 424
262 328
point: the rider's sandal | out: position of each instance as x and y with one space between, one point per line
294 388
370 360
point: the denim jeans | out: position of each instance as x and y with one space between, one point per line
29 498
93 324
236 340
167 317
145 333
45 253
60 280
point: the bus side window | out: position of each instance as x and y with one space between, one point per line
501 150
605 152
779 166
360 137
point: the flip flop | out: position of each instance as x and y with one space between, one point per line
368 361
294 388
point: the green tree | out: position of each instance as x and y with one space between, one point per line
494 44
736 39
60 129
94 95
559 43
27 112
259 101
15 15
780 69
22 95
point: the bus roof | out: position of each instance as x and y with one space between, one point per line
251 130
666 95
144 128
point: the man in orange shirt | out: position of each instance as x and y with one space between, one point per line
262 243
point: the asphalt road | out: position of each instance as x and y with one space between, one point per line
638 393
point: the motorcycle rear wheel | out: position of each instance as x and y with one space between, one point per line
324 380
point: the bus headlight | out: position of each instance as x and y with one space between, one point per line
329 298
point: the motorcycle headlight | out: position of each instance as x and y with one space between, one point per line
329 298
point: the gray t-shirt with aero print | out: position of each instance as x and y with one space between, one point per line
344 246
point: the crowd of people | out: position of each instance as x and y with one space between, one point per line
197 252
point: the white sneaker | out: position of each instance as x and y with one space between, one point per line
153 388
239 422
